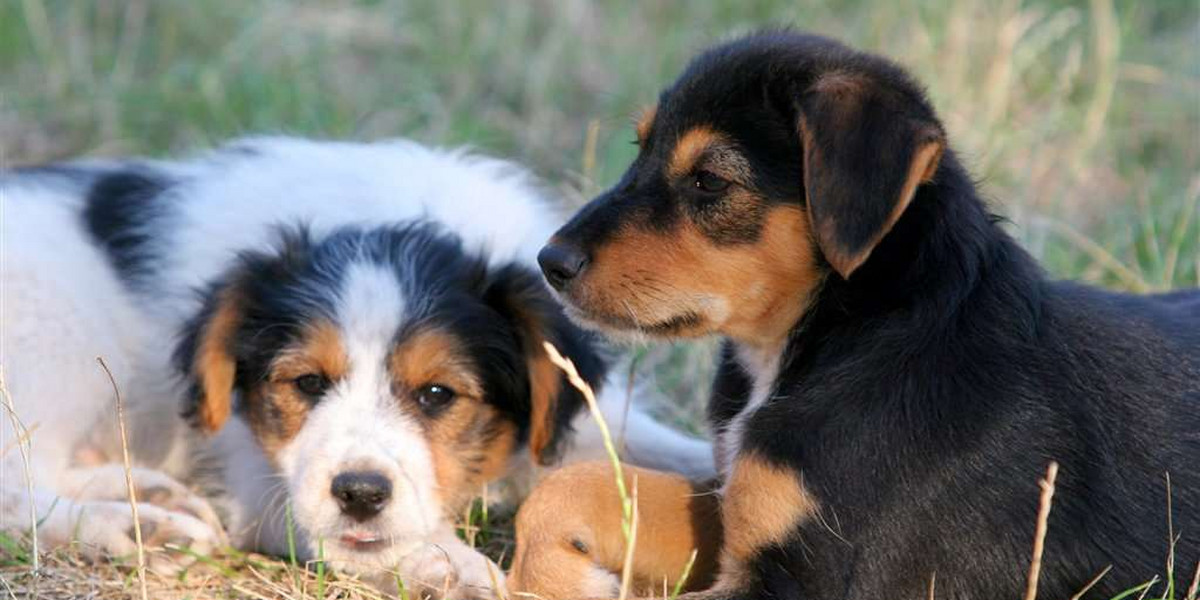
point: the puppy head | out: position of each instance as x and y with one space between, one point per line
774 162
386 374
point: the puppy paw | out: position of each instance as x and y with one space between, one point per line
451 570
171 539
107 483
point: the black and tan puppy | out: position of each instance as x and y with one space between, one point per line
898 372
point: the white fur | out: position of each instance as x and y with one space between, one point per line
763 367
62 305
356 427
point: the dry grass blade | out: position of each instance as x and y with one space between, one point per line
1171 540
1147 587
630 547
133 507
589 396
1039 536
1195 587
24 447
628 505
1100 256
20 441
1179 234
497 589
1091 584
932 584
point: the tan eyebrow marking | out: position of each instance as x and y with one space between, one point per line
320 348
433 355
689 148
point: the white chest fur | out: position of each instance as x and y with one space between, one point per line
763 368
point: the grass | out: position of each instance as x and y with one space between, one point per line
1081 120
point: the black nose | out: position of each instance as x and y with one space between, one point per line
561 263
361 494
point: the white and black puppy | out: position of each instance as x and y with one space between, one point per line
357 329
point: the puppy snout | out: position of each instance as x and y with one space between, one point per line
361 494
561 262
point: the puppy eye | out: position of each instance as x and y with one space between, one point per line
710 182
435 396
311 384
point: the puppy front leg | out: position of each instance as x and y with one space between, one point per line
107 482
570 542
763 504
105 528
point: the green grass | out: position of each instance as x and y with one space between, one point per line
1080 119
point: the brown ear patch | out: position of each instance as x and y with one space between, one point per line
866 149
214 365
924 165
545 383
763 505
645 122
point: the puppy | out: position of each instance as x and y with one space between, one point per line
898 372
354 330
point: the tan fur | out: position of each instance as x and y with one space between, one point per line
690 148
644 122
276 410
579 507
763 504
702 148
214 366
470 444
545 382
431 356
319 351
851 91
746 291
921 170
470 441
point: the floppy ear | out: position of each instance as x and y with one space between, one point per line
866 150
519 295
206 355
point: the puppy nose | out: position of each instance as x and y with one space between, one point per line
361 494
561 263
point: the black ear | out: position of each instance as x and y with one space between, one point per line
868 145
520 296
205 355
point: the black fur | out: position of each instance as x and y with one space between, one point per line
496 312
122 208
923 396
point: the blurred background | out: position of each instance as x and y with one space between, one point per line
1081 120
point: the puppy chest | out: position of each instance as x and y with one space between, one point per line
763 369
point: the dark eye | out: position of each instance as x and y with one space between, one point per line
710 182
435 396
311 384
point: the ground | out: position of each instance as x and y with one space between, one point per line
1080 119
